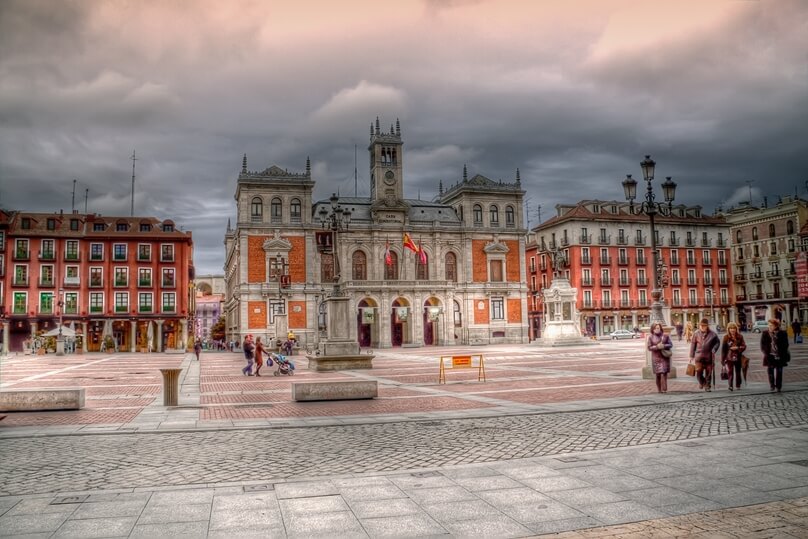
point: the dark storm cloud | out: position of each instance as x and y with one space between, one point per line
572 95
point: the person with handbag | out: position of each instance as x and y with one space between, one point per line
703 347
732 348
661 349
774 345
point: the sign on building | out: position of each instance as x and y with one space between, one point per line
802 275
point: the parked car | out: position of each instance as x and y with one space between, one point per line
623 334
760 325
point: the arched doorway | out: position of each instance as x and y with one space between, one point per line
432 311
366 323
399 322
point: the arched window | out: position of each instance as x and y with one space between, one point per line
478 215
360 266
422 267
510 217
391 270
771 230
450 264
737 236
294 210
754 233
276 210
493 213
789 227
257 210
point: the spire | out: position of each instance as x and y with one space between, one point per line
228 225
518 179
440 188
465 174
378 129
308 166
244 164
398 128
391 129
371 129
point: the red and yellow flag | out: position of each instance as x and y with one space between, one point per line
388 258
409 244
421 253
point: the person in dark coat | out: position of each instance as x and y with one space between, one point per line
657 342
796 327
703 347
732 348
774 345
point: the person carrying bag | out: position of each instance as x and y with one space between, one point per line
732 349
774 345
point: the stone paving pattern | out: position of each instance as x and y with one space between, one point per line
557 440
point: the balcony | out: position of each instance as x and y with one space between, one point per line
72 281
586 260
706 262
706 242
624 282
46 283
605 260
144 283
121 308
721 243
723 281
622 240
96 282
589 304
604 240
625 304
739 278
677 302
19 281
722 261
46 309
585 239
758 276
773 273
46 255
121 283
674 261
605 281
758 295
22 254
606 303
642 281
72 257
587 281
639 240
144 309
169 308
691 281
565 242
676 281
96 309
622 261
740 297
690 242
708 281
691 261
168 283
642 302
97 257
119 257
641 261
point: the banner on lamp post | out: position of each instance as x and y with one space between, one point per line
801 266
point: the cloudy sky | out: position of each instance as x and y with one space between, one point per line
572 93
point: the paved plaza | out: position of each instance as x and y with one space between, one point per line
567 440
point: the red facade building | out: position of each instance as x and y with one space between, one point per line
126 278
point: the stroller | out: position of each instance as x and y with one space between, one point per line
284 366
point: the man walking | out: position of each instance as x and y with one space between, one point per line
796 327
703 347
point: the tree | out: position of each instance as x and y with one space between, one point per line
217 330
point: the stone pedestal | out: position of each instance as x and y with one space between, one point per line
171 386
561 328
339 351
60 345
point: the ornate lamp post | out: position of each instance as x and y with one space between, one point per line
60 339
651 208
336 221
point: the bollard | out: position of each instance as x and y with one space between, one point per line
171 386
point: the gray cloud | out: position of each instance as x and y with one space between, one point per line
716 92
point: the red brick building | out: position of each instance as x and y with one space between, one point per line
113 276
610 262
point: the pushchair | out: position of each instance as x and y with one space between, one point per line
284 366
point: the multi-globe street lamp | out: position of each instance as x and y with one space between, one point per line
336 221
651 208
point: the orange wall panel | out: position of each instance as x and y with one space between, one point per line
256 259
514 310
297 260
481 315
479 261
256 314
297 314
512 261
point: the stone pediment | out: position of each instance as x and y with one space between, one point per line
275 170
482 181
277 243
390 204
495 247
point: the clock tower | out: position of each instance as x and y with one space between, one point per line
386 164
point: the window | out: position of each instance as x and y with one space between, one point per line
144 277
458 315
72 250
754 233
145 227
71 275
391 270
450 264
2 240
121 302
96 302
96 276
493 213
295 212
168 278
327 268
20 302
495 271
46 275
510 218
46 302
359 264
121 227
167 252
99 227
771 230
789 227
738 236
51 223
71 303
144 304
705 257
773 248
26 223
96 251
276 210
46 250
119 251
144 252
478 215
422 268
692 297
169 302
21 250
121 276
168 227
497 309
20 275
257 210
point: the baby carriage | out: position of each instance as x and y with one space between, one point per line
284 366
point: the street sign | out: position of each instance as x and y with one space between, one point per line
801 266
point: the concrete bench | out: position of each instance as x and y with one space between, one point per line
334 391
39 400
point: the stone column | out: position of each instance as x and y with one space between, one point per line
338 340
383 315
184 343
159 344
132 335
6 337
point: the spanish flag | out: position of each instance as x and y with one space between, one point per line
409 244
388 258
421 253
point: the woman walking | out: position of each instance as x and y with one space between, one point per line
259 357
774 345
732 348
660 346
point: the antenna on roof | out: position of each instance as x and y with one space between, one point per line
86 195
355 185
749 184
132 214
73 202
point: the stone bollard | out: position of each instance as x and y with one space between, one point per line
171 386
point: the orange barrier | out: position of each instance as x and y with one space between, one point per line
462 362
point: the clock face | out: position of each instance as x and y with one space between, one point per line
389 177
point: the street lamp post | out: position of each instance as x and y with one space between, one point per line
712 306
336 220
60 339
651 208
